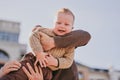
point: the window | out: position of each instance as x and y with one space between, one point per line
6 36
80 76
4 56
1 35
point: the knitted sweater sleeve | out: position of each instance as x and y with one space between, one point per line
67 60
34 41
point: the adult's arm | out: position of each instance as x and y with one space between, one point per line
8 67
20 74
75 38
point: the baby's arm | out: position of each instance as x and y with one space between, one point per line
62 62
67 60
34 41
37 48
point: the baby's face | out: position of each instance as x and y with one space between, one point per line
63 24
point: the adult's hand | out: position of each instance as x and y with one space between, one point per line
33 75
8 67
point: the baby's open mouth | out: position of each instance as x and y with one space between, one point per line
61 30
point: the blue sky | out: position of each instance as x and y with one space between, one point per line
101 18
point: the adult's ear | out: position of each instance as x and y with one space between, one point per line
72 27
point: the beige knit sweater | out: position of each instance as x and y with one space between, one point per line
64 55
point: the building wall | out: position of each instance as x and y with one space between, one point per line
9 41
89 73
9 26
114 74
83 71
96 75
12 49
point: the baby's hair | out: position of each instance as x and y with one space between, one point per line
66 11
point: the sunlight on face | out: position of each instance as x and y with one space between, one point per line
63 24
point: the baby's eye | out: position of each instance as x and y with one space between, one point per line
66 24
58 22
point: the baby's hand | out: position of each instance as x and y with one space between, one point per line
51 61
42 59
